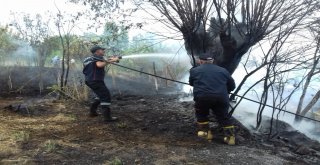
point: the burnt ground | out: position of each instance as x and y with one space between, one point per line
153 130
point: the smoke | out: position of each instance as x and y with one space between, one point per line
24 55
246 112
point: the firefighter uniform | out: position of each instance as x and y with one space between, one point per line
211 87
94 79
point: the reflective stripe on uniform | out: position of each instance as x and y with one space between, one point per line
87 61
105 103
203 123
229 127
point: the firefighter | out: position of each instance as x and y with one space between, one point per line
211 87
94 78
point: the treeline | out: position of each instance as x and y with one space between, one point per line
114 37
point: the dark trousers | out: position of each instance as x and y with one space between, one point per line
101 91
219 107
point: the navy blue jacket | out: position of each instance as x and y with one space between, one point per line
90 69
209 80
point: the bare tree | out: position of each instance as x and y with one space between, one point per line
276 64
66 24
313 68
228 28
238 25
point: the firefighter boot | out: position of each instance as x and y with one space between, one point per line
107 115
204 131
93 108
229 135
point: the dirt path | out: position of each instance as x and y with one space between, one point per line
152 130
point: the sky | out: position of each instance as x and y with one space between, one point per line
32 7
42 6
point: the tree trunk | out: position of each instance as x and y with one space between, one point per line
310 105
68 61
227 49
307 83
62 69
304 91
41 62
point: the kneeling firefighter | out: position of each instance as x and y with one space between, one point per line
94 78
211 87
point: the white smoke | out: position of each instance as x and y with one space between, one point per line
24 55
246 112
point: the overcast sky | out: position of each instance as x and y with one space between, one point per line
42 6
32 7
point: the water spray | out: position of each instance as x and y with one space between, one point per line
146 55
242 97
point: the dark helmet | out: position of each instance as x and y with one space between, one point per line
95 48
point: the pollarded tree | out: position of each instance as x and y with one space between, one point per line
238 25
227 28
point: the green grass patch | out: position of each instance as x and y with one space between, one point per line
50 146
21 136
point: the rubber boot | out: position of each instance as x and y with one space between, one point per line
93 108
229 135
204 131
107 115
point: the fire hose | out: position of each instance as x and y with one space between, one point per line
232 110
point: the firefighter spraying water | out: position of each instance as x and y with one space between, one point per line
94 78
211 85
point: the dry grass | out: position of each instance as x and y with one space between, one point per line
148 133
29 136
60 117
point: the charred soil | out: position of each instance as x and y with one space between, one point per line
152 130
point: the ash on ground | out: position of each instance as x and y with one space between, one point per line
154 129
